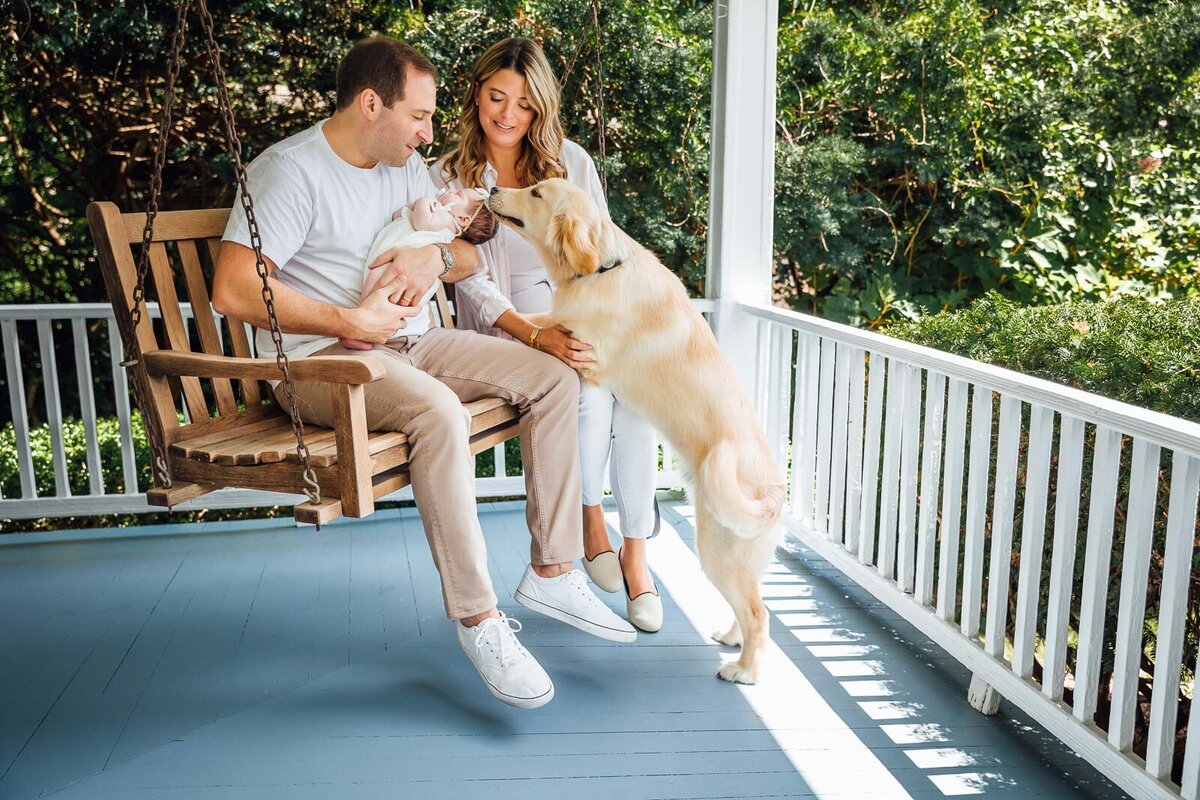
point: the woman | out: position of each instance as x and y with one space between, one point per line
510 135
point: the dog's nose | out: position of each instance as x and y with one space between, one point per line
494 189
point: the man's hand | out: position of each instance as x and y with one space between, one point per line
420 266
379 316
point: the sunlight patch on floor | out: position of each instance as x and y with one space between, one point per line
826 753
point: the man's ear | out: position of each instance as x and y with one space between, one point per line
575 241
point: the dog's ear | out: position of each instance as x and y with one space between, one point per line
575 241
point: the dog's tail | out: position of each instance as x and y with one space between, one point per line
746 498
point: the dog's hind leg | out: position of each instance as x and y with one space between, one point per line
735 566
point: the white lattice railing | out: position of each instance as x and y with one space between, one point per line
900 478
75 340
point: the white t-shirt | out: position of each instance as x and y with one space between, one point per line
318 216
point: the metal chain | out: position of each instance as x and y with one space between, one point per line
600 98
313 489
129 326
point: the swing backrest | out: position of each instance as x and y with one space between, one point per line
182 254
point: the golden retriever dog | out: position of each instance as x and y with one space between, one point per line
659 357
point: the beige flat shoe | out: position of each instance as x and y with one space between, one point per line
604 570
644 612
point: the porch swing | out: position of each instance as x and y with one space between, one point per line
234 433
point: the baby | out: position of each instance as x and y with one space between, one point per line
429 220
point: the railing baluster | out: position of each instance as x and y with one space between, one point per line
1062 560
931 469
16 399
977 491
785 388
956 430
87 404
498 460
54 417
837 484
910 444
897 387
778 385
854 458
1002 525
1033 535
121 389
1172 610
1131 610
870 472
806 474
824 435
1105 465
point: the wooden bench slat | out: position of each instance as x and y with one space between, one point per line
172 317
206 327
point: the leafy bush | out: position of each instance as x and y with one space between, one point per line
930 152
1143 353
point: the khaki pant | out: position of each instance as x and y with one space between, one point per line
421 395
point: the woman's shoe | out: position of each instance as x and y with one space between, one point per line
645 612
604 570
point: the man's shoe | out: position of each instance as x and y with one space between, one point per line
511 673
568 599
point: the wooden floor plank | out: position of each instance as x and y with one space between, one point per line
329 657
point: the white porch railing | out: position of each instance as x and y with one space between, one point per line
91 328
886 439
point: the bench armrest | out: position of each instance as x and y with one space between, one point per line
313 369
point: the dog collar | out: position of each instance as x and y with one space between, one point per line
616 262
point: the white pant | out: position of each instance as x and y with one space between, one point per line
604 425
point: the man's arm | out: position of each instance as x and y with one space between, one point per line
423 265
237 292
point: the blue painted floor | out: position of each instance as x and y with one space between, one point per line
257 660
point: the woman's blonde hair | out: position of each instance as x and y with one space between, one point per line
542 147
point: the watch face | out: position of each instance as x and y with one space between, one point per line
447 256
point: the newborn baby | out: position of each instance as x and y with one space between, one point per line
424 221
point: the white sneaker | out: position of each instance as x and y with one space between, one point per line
568 599
511 673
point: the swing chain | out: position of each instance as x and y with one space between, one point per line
129 325
313 488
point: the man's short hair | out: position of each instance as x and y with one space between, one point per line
380 63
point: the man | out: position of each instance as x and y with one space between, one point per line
319 198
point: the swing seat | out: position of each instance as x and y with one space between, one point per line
221 424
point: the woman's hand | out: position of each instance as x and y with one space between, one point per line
559 342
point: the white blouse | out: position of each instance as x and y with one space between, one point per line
507 261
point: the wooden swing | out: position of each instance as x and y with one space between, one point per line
234 433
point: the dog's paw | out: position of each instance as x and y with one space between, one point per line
729 638
736 673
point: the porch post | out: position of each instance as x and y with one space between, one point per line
742 186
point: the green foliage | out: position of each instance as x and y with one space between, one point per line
82 89
1129 349
1041 148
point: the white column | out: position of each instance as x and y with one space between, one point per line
741 200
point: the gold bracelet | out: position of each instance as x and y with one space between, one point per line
534 338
